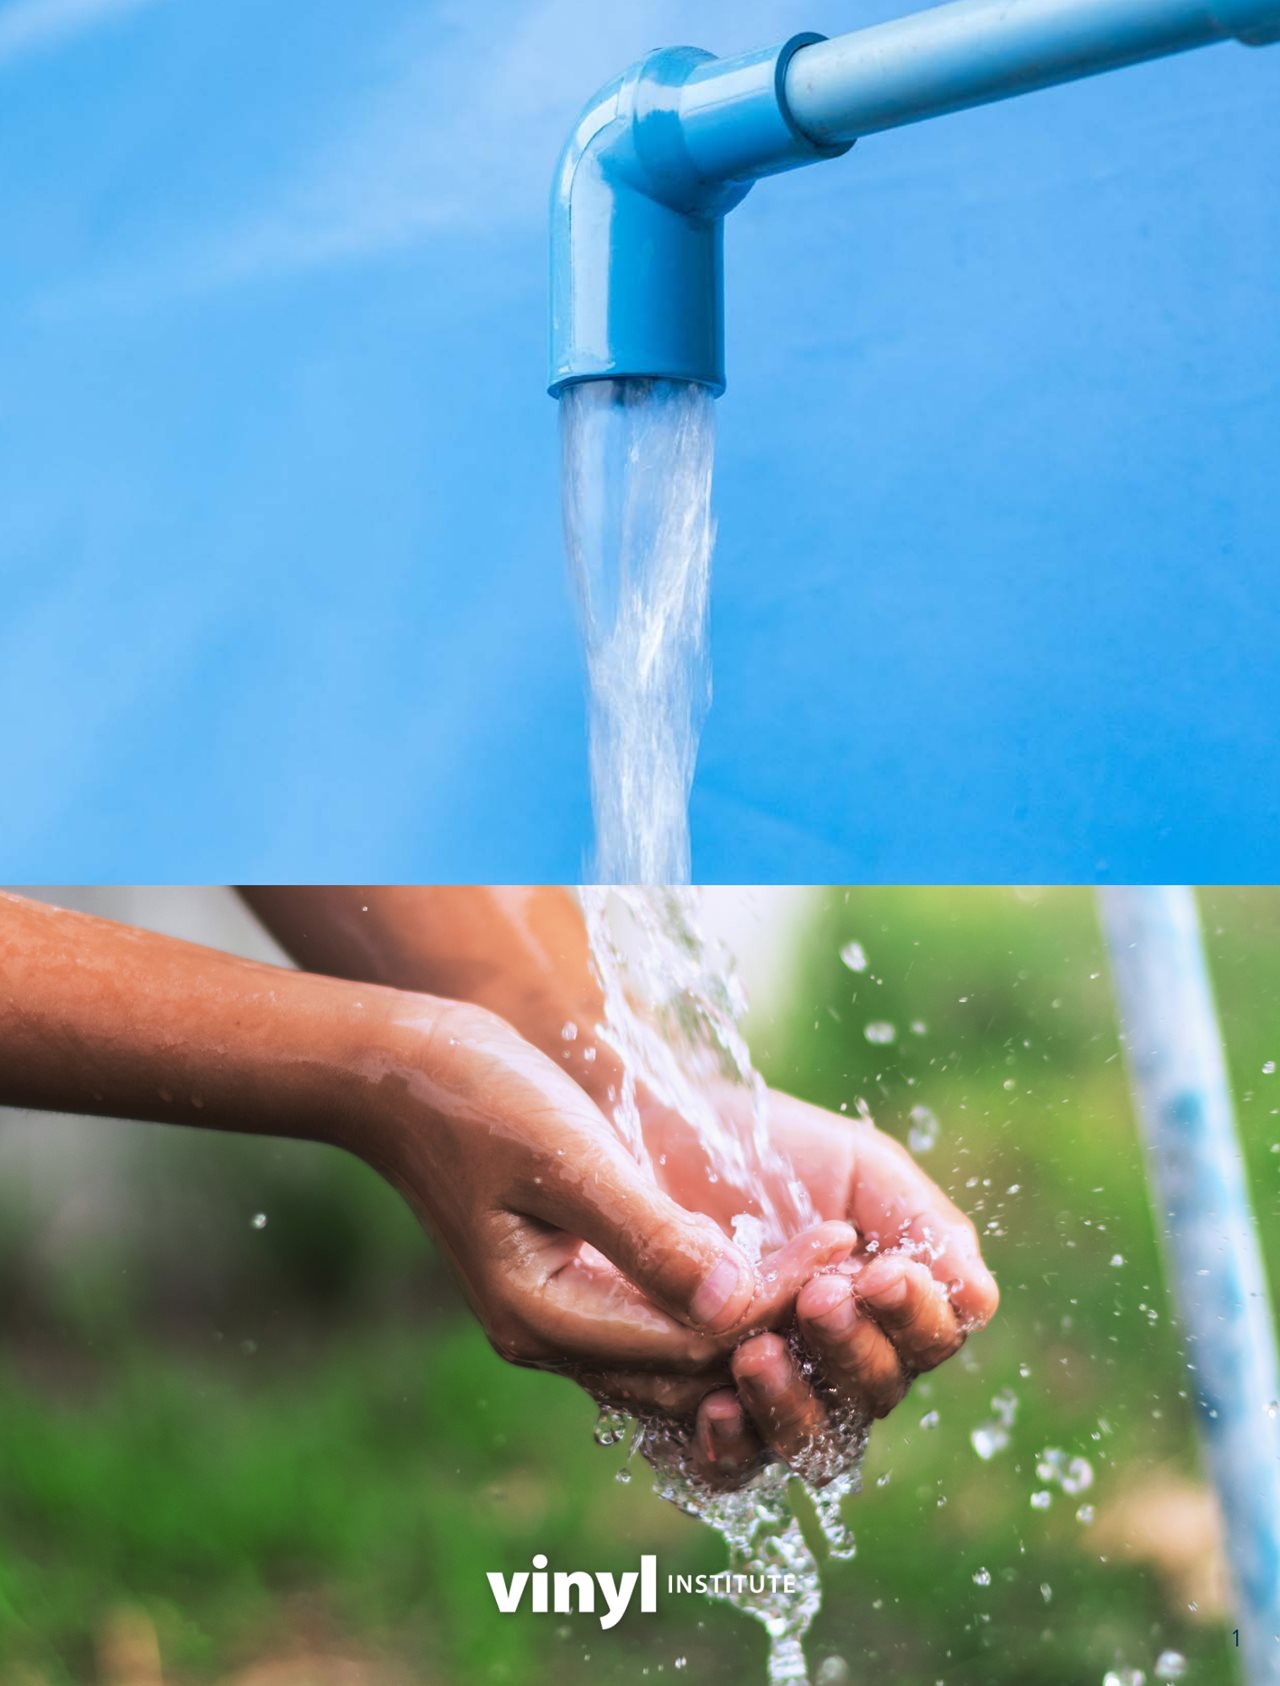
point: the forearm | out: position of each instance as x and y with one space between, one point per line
97 1017
519 950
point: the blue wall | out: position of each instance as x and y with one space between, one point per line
996 591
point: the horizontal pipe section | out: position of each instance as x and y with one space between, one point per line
972 52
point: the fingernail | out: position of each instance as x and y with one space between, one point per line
773 1380
726 1430
890 1294
717 1288
839 1319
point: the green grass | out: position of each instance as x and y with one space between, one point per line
353 1476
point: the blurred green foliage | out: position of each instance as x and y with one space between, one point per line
294 1439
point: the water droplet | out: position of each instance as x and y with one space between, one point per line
259 1220
1073 1475
832 1671
1124 1677
982 1577
1041 1500
1269 1068
987 1440
1273 1409
854 957
923 1133
1117 1259
930 1419
1085 1514
1078 1477
681 1662
611 1426
879 1031
1046 1592
918 1027
1170 1665
569 1031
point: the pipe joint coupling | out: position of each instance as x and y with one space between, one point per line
638 204
1255 22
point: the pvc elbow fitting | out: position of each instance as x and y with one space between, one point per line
638 205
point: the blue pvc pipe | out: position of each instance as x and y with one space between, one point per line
637 210
972 52
1201 1199
660 154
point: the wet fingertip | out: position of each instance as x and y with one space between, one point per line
722 1402
725 1430
976 1299
821 1295
826 1306
757 1354
838 1241
724 1293
887 1289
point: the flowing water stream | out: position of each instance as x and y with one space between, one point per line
636 460
636 466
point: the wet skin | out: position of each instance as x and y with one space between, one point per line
894 1295
900 1304
569 1255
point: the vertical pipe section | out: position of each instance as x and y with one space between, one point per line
1174 1049
973 52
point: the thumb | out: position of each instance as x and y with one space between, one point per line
681 1260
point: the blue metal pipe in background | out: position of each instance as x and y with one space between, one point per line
663 152
1210 1236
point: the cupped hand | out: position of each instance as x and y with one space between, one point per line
900 1304
570 1256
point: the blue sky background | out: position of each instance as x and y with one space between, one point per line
282 595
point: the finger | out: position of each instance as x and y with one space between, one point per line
726 1449
893 1200
782 1274
650 1393
581 1310
785 1411
856 1357
681 1260
955 1259
912 1308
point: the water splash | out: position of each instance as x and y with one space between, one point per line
636 459
673 1011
